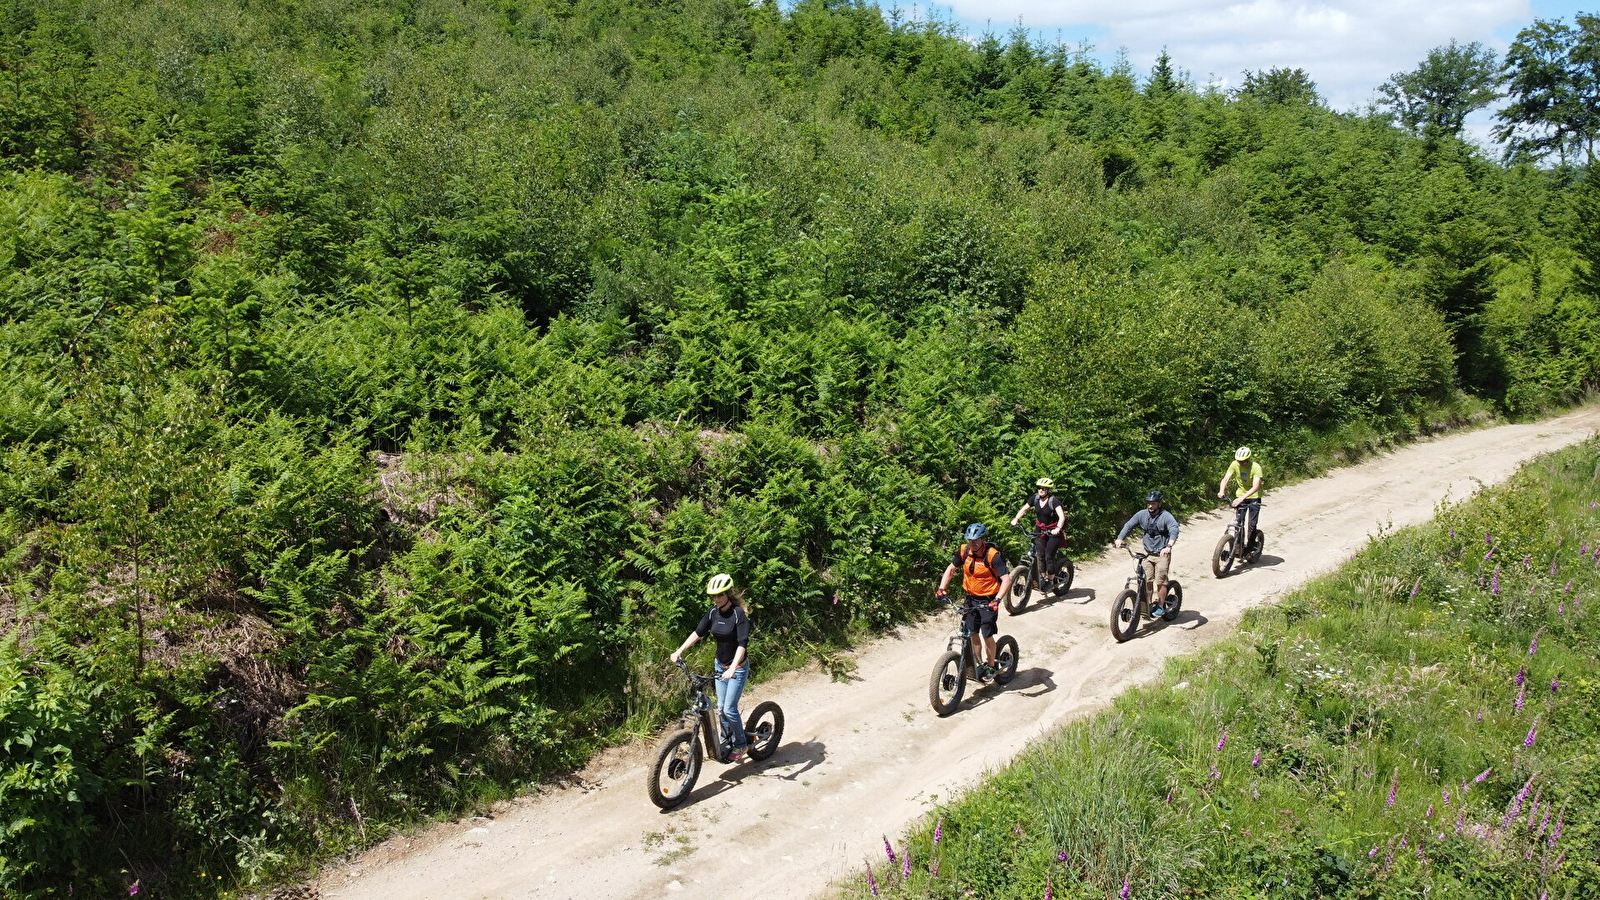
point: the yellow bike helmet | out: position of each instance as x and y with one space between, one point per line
1045 483
719 583
1241 454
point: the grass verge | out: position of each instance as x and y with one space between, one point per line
1420 723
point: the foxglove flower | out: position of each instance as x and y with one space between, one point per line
1429 813
1394 789
1533 734
1223 741
1127 889
1445 794
1533 646
1521 695
889 852
938 831
1255 762
1482 775
1522 676
1494 583
905 867
1048 894
872 883
1417 584
1555 684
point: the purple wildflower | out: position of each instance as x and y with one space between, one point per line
1522 676
1533 590
1583 549
938 831
1452 533
1429 813
1555 684
1061 856
1214 773
1461 820
1017 828
1223 741
1527 561
133 888
1533 646
1394 788
1480 715
1048 894
1561 608
1533 734
1169 796
1569 587
1552 567
1522 694
872 883
889 852
905 869
1561 820
1416 585
1489 554
1402 842
1544 825
1482 775
1488 539
1255 762
1373 853
1127 888
1514 809
1446 797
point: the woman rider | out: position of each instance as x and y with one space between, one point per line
1050 517
727 622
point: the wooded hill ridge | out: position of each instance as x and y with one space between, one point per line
382 380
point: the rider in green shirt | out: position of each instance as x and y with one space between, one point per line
1246 475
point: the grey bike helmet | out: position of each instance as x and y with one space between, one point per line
1154 497
976 530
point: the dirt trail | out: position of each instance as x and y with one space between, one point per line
862 759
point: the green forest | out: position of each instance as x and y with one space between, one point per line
382 380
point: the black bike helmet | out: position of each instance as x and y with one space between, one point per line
1154 497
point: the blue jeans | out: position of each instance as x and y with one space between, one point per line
728 693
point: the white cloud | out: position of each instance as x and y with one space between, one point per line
1348 47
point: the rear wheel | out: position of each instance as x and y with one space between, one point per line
1258 543
1125 615
677 766
946 684
1006 657
1021 590
765 729
1222 557
1065 572
1174 601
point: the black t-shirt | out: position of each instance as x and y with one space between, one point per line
1046 512
731 629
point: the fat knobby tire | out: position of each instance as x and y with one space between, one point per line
678 782
1125 615
1174 601
1006 658
1021 590
949 666
1221 558
765 743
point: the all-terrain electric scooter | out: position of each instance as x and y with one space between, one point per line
950 674
1132 606
1231 549
678 756
1027 577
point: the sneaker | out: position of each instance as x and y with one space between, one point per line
736 753
1157 611
986 674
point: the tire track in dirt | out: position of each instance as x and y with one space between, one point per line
862 759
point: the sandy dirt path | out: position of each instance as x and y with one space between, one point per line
864 758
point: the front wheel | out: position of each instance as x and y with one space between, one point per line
1006 657
1222 557
1021 590
677 766
1125 615
1174 601
764 728
947 684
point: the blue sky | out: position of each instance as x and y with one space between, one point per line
1349 47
